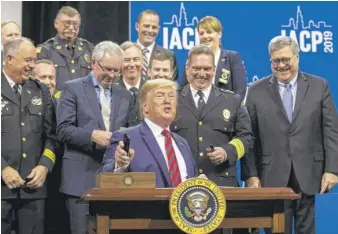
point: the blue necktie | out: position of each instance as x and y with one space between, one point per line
288 101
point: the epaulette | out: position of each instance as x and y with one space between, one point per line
86 41
227 91
38 83
39 47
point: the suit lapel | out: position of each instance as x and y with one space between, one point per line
114 107
275 95
92 99
27 94
188 101
212 102
302 86
221 61
155 150
155 50
7 91
184 154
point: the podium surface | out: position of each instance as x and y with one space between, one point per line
113 209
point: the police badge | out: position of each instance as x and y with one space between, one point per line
226 115
36 101
197 206
224 76
86 58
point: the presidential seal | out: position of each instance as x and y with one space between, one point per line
197 206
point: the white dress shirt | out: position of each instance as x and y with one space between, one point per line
217 55
157 132
150 48
12 83
281 87
128 87
196 96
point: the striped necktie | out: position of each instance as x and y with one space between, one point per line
145 51
174 171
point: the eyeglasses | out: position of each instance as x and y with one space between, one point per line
277 61
114 71
68 23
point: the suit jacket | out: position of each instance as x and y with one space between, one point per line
148 155
230 73
67 67
28 134
78 114
159 49
223 120
309 143
136 99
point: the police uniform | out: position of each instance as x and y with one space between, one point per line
28 140
70 60
224 123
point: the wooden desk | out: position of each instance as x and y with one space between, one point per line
112 209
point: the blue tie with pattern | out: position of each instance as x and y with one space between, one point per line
288 101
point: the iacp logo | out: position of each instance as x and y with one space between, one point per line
179 33
310 36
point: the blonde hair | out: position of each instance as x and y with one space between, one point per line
150 86
210 22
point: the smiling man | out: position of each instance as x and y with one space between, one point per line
45 72
89 110
296 134
161 67
69 53
28 141
148 27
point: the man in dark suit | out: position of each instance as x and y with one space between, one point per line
89 110
207 115
147 145
294 121
28 140
69 53
131 78
230 72
147 27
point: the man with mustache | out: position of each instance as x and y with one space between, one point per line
212 120
296 134
28 140
69 53
89 110
147 27
161 67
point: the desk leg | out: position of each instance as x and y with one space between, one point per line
102 224
278 219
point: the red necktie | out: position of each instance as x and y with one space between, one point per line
174 170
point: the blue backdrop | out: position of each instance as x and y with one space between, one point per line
248 27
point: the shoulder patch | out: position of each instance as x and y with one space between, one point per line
227 91
84 40
38 49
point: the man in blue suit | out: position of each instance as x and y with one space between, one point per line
153 148
89 110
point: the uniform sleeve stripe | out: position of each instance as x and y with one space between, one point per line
238 144
49 154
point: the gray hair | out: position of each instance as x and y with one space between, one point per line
106 48
280 42
12 46
198 50
128 44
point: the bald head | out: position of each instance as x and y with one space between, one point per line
9 29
